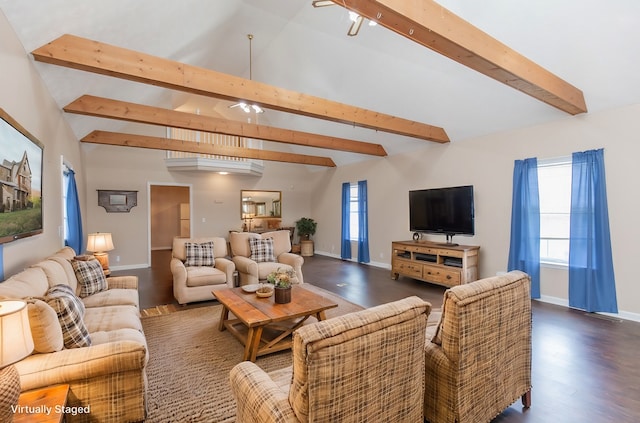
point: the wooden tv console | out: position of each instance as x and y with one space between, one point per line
434 262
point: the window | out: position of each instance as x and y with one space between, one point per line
554 185
353 212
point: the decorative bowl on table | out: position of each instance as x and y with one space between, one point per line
264 291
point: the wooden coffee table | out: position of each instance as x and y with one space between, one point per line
262 326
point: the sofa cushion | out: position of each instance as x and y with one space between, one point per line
105 319
203 276
179 251
199 254
56 274
70 311
31 282
90 276
111 297
45 328
261 250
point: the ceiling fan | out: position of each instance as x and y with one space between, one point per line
247 108
356 20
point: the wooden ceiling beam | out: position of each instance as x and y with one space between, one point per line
157 143
131 112
93 56
431 25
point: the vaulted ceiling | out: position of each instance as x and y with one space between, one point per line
330 99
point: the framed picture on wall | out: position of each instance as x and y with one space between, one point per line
21 165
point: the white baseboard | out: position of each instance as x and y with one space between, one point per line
371 263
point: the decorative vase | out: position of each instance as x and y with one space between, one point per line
282 295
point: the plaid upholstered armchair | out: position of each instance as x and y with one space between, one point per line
366 366
479 361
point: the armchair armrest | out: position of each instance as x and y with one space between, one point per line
294 260
227 266
245 265
69 365
179 272
259 399
122 282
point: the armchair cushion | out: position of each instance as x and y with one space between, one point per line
90 276
70 311
199 254
261 250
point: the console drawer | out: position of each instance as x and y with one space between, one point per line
407 268
441 276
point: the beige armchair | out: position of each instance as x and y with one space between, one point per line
194 281
253 266
366 366
478 362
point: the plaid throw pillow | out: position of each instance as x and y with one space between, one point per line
70 311
90 276
199 254
261 249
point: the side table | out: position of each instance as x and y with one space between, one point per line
45 405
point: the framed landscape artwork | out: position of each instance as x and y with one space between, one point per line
21 161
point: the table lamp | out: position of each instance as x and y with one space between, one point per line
15 344
99 243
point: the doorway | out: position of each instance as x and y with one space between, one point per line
169 215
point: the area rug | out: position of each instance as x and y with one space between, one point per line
190 360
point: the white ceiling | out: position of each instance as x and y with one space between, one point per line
591 44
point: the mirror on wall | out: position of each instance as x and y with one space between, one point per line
257 204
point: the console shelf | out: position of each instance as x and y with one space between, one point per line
433 262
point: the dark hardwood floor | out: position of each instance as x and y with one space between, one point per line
586 368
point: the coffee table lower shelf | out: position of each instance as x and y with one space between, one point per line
264 339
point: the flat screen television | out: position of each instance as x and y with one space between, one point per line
448 211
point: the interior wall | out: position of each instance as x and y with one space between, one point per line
487 163
215 198
25 98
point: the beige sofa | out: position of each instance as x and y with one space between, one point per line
478 360
107 379
254 271
196 282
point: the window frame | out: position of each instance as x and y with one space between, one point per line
546 260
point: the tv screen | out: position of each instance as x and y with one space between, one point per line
20 181
447 211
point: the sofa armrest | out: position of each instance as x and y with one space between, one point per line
69 365
122 282
226 266
259 399
294 260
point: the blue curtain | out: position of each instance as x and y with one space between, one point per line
345 249
591 280
524 250
74 237
363 223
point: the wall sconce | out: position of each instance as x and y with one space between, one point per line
99 243
15 344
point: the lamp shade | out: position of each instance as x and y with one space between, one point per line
99 242
15 333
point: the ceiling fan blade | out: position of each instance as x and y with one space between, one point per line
322 3
355 26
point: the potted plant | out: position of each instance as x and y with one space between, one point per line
281 280
306 227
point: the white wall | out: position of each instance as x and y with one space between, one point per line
487 163
216 198
24 97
